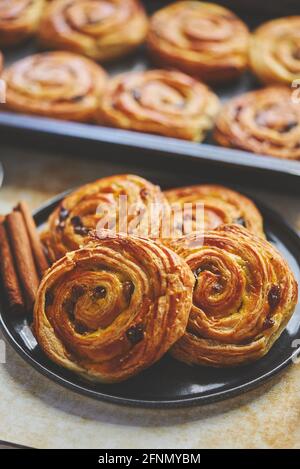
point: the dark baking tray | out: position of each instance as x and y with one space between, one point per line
170 383
114 143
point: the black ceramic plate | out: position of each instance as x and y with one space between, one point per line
170 383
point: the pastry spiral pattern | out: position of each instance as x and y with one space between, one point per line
19 19
275 51
120 203
162 102
266 122
201 39
100 29
221 205
113 308
61 85
244 296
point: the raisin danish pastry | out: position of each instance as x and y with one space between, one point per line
100 29
19 20
244 296
162 102
202 39
113 308
275 51
266 121
61 85
120 203
221 206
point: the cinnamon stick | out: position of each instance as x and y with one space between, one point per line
10 281
23 256
41 261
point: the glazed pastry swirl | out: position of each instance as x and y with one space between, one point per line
275 51
19 19
100 29
266 122
81 212
244 296
113 308
199 38
161 102
221 206
55 84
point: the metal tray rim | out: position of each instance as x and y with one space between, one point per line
159 145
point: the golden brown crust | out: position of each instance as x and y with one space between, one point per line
100 30
221 206
162 102
275 51
83 210
19 19
266 122
244 296
1 62
62 85
202 39
113 308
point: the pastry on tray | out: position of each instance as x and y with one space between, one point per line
57 84
221 205
275 51
162 102
19 19
102 30
101 202
244 296
266 121
202 39
113 308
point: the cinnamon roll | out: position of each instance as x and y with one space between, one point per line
199 38
113 308
120 203
220 205
61 85
100 29
244 296
19 20
161 102
266 122
275 51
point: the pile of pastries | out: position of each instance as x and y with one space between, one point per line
195 44
115 300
